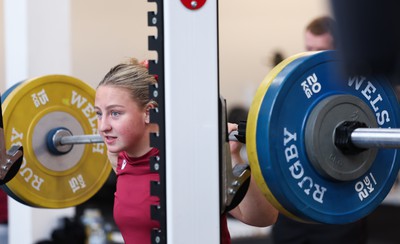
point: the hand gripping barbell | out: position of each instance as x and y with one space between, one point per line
320 143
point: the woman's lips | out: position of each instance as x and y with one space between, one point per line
109 139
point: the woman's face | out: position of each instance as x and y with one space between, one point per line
121 122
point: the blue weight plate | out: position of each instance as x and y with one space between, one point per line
277 121
9 90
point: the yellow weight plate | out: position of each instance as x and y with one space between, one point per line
30 111
251 131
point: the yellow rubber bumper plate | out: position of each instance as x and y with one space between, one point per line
33 108
251 135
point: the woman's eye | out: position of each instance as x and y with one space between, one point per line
98 114
115 114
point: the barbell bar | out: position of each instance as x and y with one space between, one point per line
376 137
362 138
60 140
79 139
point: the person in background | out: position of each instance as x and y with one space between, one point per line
122 105
319 35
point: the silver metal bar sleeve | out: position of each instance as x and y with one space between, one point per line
376 138
81 139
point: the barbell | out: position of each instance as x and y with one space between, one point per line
321 145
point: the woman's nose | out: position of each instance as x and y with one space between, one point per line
103 125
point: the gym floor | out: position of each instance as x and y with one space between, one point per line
383 228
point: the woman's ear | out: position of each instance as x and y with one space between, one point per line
149 106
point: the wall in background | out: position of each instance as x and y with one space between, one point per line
251 33
104 33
